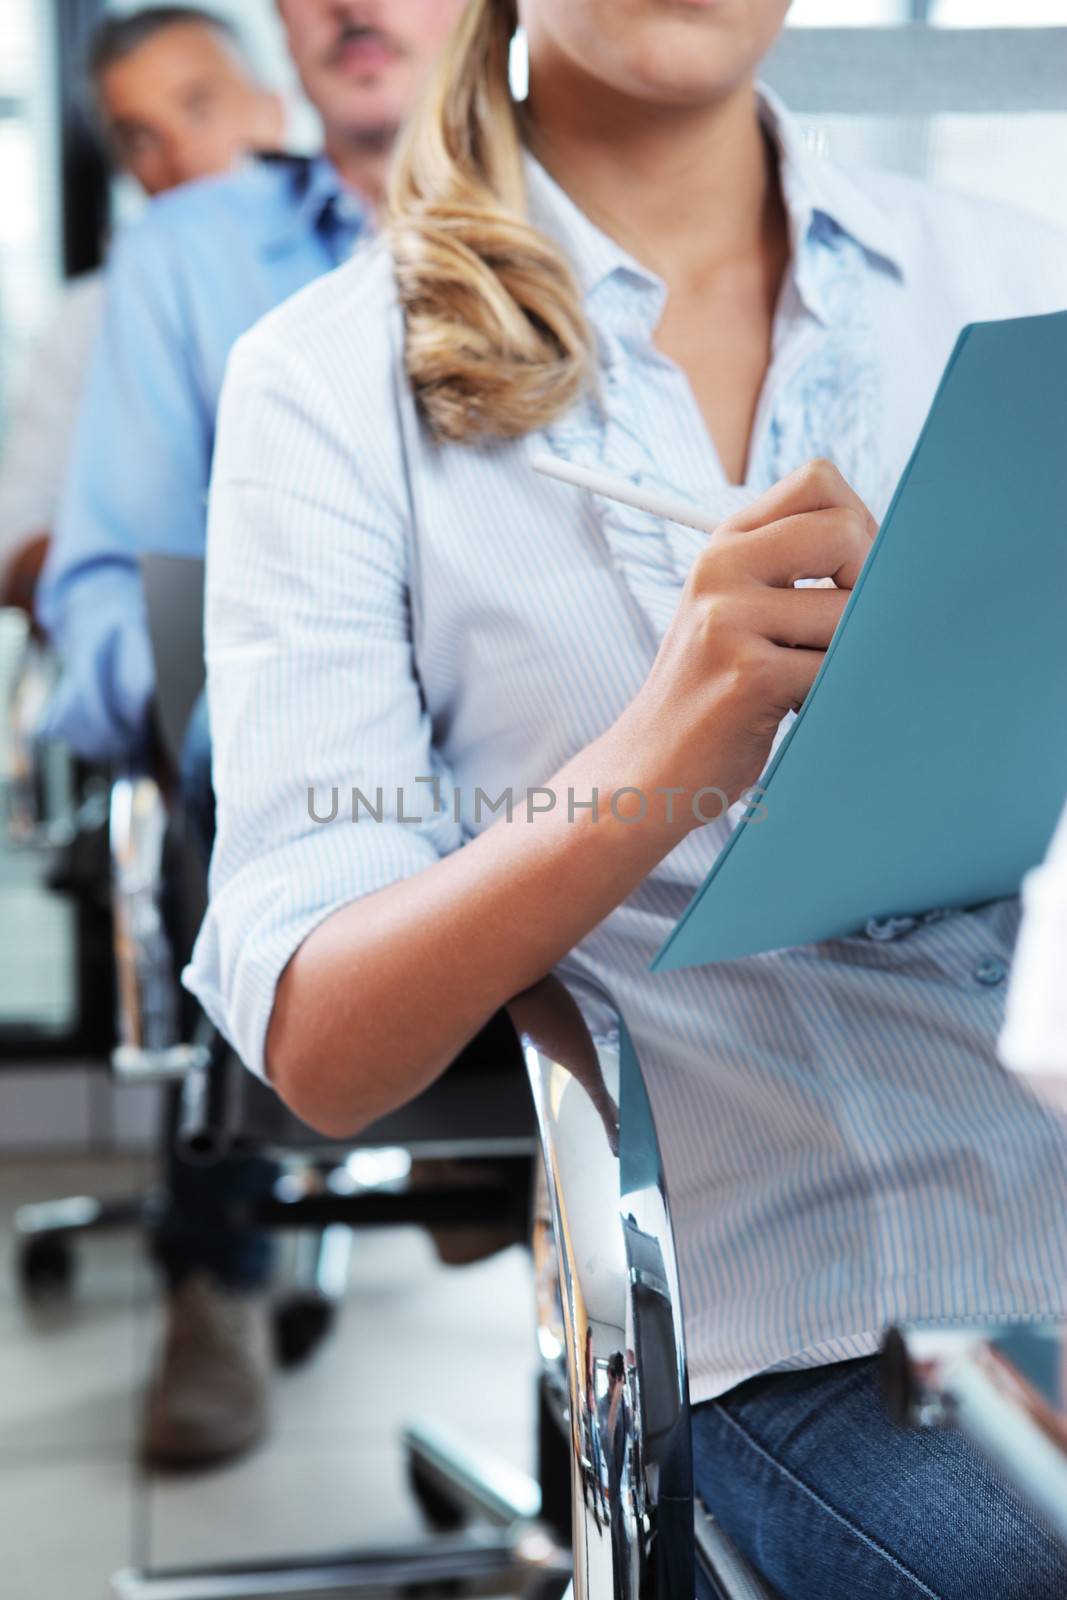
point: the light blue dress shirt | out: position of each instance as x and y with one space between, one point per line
184 281
843 1149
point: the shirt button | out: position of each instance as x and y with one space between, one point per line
990 972
883 928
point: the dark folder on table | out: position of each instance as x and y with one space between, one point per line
928 765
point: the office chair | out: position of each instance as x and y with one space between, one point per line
158 894
632 1534
616 1479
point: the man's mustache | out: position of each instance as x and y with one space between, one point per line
357 33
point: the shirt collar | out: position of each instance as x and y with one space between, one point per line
811 187
815 188
317 192
594 255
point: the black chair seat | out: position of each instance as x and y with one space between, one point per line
480 1106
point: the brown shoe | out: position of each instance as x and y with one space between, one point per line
209 1398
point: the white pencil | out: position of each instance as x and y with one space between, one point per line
626 493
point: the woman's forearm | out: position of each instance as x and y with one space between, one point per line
381 997
387 991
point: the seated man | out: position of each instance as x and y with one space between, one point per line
175 99
183 284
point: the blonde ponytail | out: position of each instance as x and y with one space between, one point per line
497 343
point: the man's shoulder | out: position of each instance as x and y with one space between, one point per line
249 201
347 319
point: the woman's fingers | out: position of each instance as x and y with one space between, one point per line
745 645
800 618
833 543
811 544
795 672
816 486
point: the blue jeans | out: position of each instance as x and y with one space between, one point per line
830 1500
203 1227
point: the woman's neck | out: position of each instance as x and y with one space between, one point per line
684 192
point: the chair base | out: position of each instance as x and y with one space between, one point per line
506 1551
46 1260
727 1575
46 1234
463 1564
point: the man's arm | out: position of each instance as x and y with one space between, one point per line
137 481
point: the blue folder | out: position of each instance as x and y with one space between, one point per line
928 765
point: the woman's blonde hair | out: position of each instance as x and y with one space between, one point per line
497 343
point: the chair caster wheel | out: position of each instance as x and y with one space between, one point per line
300 1323
45 1266
443 1515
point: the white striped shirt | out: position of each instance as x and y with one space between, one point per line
842 1148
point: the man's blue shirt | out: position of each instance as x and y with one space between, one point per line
184 282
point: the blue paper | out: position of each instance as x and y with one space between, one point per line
928 765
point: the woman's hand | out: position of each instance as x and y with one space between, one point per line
744 646
487 921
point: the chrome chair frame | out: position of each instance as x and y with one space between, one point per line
150 1048
610 1326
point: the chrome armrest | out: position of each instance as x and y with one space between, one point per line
25 683
150 1048
609 1308
1004 1385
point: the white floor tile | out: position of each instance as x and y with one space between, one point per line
286 1499
66 1528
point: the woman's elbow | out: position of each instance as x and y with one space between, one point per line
302 1068
338 1055
312 1093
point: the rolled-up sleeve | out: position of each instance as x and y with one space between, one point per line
312 690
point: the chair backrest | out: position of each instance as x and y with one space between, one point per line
480 1106
174 601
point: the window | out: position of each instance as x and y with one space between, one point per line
29 216
998 13
1016 157
849 13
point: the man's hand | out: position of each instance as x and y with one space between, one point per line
20 572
